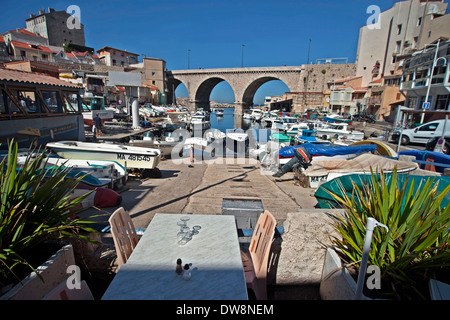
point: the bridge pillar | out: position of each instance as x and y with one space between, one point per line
240 107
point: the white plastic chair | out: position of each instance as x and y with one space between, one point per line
124 234
256 259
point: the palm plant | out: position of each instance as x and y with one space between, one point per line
35 206
416 247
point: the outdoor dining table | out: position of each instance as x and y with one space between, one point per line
213 256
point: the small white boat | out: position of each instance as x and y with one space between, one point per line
199 121
321 171
257 114
237 140
109 172
289 122
268 121
247 116
166 144
297 129
99 173
219 113
214 135
127 156
340 131
278 125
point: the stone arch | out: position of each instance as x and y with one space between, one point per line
203 92
250 91
172 85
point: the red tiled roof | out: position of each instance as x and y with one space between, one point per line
32 77
28 46
377 81
1 38
80 54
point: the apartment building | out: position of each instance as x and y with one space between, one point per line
426 74
401 30
346 95
57 27
116 57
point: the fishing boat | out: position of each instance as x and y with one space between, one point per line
199 121
297 129
257 114
215 135
37 108
326 151
344 187
237 140
321 171
166 143
219 113
130 157
278 125
289 122
247 115
309 136
268 121
93 106
107 172
93 173
428 160
339 130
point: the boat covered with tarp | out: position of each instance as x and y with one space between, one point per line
328 169
328 150
429 160
345 185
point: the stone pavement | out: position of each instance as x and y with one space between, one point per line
297 258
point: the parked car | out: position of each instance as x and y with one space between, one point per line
422 133
364 117
431 144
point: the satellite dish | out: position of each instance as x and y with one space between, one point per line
441 62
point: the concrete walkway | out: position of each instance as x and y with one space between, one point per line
297 257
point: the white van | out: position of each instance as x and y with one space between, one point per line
423 133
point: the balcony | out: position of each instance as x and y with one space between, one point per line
374 100
406 85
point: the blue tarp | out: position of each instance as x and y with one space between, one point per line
440 160
327 149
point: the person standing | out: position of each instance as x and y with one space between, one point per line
98 126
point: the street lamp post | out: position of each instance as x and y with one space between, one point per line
189 59
431 78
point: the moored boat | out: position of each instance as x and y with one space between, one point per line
237 140
339 130
199 121
326 151
321 171
37 108
127 156
165 144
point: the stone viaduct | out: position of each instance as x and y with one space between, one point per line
246 81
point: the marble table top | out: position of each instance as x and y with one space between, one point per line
213 255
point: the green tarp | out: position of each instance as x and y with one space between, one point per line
345 184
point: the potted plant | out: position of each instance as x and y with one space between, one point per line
413 251
35 207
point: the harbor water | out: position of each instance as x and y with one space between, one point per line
231 121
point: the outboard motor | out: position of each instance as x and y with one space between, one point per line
302 157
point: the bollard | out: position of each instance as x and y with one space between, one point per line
192 156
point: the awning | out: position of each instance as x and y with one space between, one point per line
120 88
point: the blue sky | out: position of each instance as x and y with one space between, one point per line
274 33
